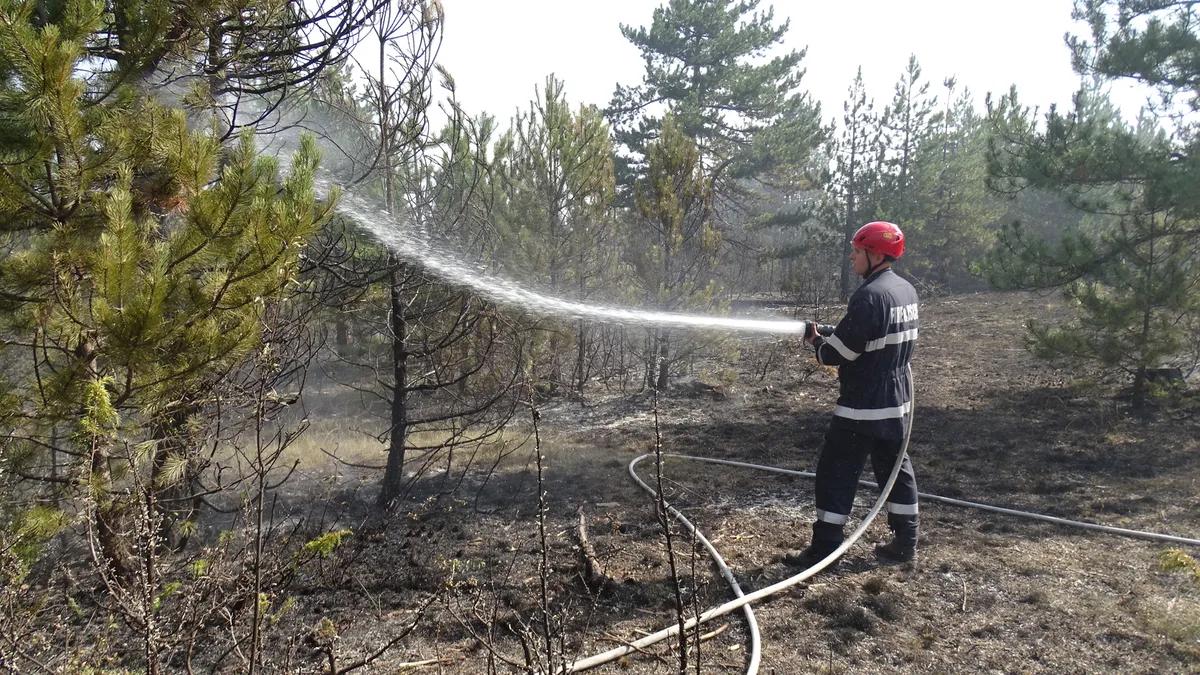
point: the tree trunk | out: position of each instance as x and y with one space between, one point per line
341 332
648 360
393 477
108 514
174 502
216 78
664 339
1139 377
580 360
1139 388
113 546
55 487
847 271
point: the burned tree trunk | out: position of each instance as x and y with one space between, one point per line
393 477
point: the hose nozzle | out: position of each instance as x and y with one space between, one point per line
812 329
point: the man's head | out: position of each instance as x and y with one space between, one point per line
875 246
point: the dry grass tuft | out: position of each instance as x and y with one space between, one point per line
876 585
887 607
1176 619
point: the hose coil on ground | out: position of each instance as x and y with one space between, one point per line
742 600
745 600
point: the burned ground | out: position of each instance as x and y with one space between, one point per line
990 593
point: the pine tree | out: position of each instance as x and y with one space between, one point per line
447 361
858 155
674 249
1130 269
909 125
957 231
932 179
559 190
146 263
702 66
241 65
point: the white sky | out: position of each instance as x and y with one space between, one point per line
500 52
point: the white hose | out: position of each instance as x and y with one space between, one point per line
1135 534
755 639
745 600
751 621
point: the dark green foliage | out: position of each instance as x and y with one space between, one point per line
558 181
932 180
1131 267
704 65
556 222
956 226
909 125
145 264
717 69
678 238
673 249
853 184
917 163
1151 41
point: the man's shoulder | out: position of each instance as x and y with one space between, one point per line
867 294
893 284
887 282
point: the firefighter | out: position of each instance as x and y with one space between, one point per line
871 347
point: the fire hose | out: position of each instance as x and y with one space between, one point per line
745 600
742 600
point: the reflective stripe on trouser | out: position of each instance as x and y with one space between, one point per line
841 463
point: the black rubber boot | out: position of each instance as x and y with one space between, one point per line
826 538
903 546
811 555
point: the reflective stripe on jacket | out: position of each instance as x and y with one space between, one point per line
871 347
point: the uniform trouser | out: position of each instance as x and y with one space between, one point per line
838 470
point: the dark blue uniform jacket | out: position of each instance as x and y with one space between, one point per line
871 348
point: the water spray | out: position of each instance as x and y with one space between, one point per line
414 247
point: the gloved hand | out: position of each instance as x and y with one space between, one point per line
812 330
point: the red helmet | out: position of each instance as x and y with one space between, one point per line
880 237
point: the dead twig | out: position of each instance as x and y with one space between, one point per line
715 633
593 573
379 652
